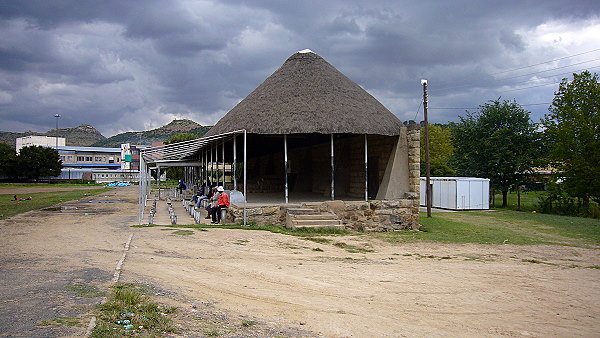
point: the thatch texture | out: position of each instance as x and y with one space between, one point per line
308 95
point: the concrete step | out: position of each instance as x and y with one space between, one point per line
325 215
300 211
314 222
319 226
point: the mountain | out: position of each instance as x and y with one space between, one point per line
83 136
155 135
87 136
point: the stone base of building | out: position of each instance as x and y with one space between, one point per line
375 215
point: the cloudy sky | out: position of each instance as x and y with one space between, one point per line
135 65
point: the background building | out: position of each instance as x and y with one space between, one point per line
38 140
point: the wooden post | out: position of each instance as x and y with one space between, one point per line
427 171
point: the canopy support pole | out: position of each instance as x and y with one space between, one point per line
158 184
332 171
245 181
285 159
234 162
223 162
366 171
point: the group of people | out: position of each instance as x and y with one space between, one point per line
217 197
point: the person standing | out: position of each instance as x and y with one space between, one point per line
222 203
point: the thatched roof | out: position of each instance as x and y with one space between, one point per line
308 95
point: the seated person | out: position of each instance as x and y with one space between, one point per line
204 193
214 199
222 203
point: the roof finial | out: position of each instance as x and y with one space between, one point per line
304 51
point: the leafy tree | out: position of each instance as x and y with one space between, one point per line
181 137
177 172
573 129
441 149
8 159
498 142
37 161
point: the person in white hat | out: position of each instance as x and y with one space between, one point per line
222 203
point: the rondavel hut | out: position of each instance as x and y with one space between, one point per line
318 141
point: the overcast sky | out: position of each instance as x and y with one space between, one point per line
136 65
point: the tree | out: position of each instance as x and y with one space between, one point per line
36 161
573 129
8 159
498 142
441 149
177 172
181 137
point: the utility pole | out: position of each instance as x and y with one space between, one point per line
57 116
427 173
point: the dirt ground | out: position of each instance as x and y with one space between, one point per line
290 286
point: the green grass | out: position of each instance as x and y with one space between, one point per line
128 302
9 207
85 291
352 248
484 227
62 321
306 232
183 232
501 227
530 200
40 185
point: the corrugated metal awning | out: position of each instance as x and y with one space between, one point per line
183 151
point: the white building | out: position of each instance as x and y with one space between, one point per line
38 140
457 193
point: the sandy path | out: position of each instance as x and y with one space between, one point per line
478 290
292 286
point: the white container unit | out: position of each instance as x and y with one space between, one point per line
458 193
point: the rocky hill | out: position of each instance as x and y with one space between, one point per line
87 136
155 135
83 136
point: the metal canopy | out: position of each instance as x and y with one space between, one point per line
190 153
183 150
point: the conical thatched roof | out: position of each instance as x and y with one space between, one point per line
308 95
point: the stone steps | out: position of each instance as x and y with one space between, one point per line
311 218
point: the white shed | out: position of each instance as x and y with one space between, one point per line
458 193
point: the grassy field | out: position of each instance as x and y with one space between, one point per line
502 227
35 185
529 200
9 207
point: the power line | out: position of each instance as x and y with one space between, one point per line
517 89
522 105
541 63
547 70
553 75
526 81
418 109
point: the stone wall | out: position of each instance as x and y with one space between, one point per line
375 215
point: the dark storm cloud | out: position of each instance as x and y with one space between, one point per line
122 65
